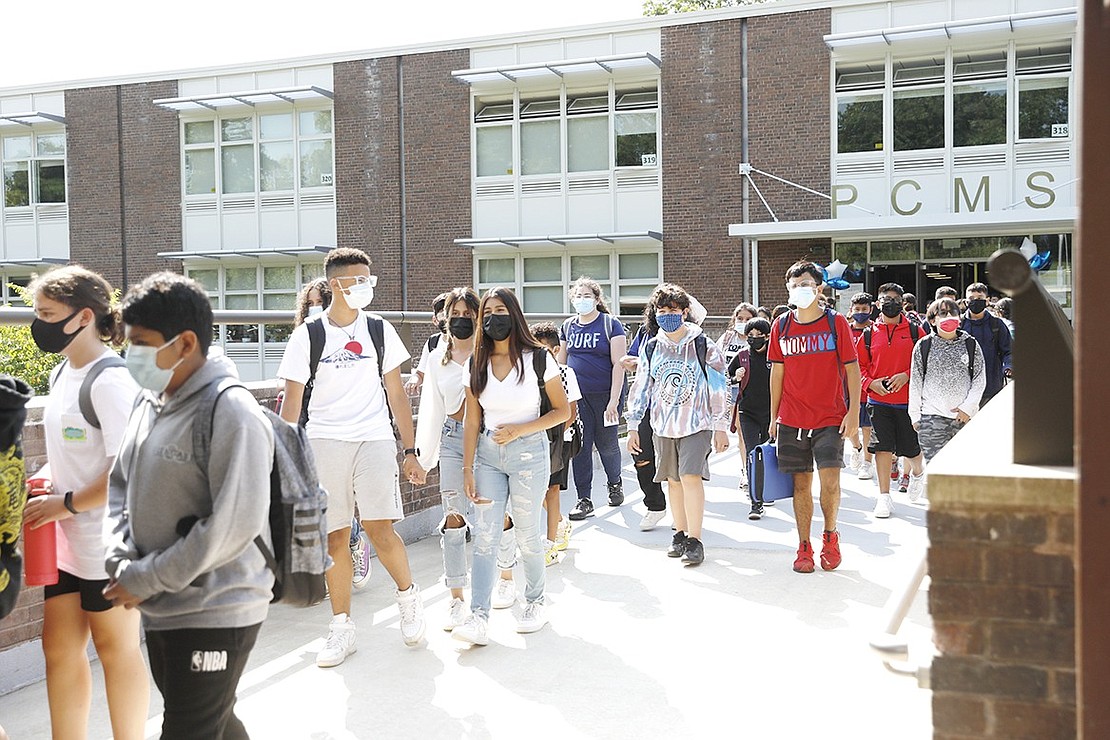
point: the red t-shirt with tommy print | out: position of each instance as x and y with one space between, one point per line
812 356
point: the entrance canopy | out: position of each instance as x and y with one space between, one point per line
991 223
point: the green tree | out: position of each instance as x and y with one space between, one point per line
667 7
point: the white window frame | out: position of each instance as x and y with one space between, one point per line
32 159
255 142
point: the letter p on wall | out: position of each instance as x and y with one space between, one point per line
843 195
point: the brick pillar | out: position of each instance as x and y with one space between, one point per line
1002 596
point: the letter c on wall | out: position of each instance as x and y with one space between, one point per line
894 198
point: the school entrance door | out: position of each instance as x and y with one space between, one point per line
923 278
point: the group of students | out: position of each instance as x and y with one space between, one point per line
506 411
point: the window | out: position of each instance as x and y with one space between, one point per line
1043 87
626 278
906 250
34 169
979 99
919 104
8 295
859 108
263 152
635 128
250 287
590 145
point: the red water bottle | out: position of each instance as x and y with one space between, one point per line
40 545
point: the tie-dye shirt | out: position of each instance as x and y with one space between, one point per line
682 399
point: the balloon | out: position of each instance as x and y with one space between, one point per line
839 284
835 269
1041 261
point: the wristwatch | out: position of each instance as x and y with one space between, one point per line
412 451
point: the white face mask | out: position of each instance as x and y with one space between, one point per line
584 305
359 295
313 310
741 326
142 363
802 296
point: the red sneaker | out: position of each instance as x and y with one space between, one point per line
830 550
904 483
804 562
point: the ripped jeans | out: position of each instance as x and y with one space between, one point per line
456 503
514 476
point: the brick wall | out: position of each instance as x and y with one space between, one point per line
149 184
1002 593
774 259
437 171
788 69
437 165
367 183
93 180
151 179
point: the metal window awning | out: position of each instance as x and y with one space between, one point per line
215 254
560 240
249 98
991 223
33 261
31 118
1041 19
555 71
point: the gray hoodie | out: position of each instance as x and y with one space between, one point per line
213 576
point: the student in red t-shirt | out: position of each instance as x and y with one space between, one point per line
885 369
815 387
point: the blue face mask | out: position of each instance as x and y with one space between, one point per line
669 322
861 318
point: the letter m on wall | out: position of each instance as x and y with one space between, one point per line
983 191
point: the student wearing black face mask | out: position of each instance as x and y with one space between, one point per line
752 371
993 337
439 320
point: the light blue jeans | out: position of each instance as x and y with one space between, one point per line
514 476
455 502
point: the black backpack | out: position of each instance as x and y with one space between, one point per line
84 395
317 337
298 526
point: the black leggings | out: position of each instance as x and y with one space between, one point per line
654 499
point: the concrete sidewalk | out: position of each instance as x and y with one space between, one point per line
638 645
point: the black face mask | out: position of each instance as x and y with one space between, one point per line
757 343
891 309
461 327
977 305
498 326
51 336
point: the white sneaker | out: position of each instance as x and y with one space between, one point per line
531 619
504 595
456 614
340 642
856 459
550 552
916 487
473 630
865 471
360 562
743 478
651 519
562 534
884 507
412 615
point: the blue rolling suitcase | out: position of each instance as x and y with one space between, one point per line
765 481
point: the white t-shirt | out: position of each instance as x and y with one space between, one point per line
514 400
79 453
451 379
348 399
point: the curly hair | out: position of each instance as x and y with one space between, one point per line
321 286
